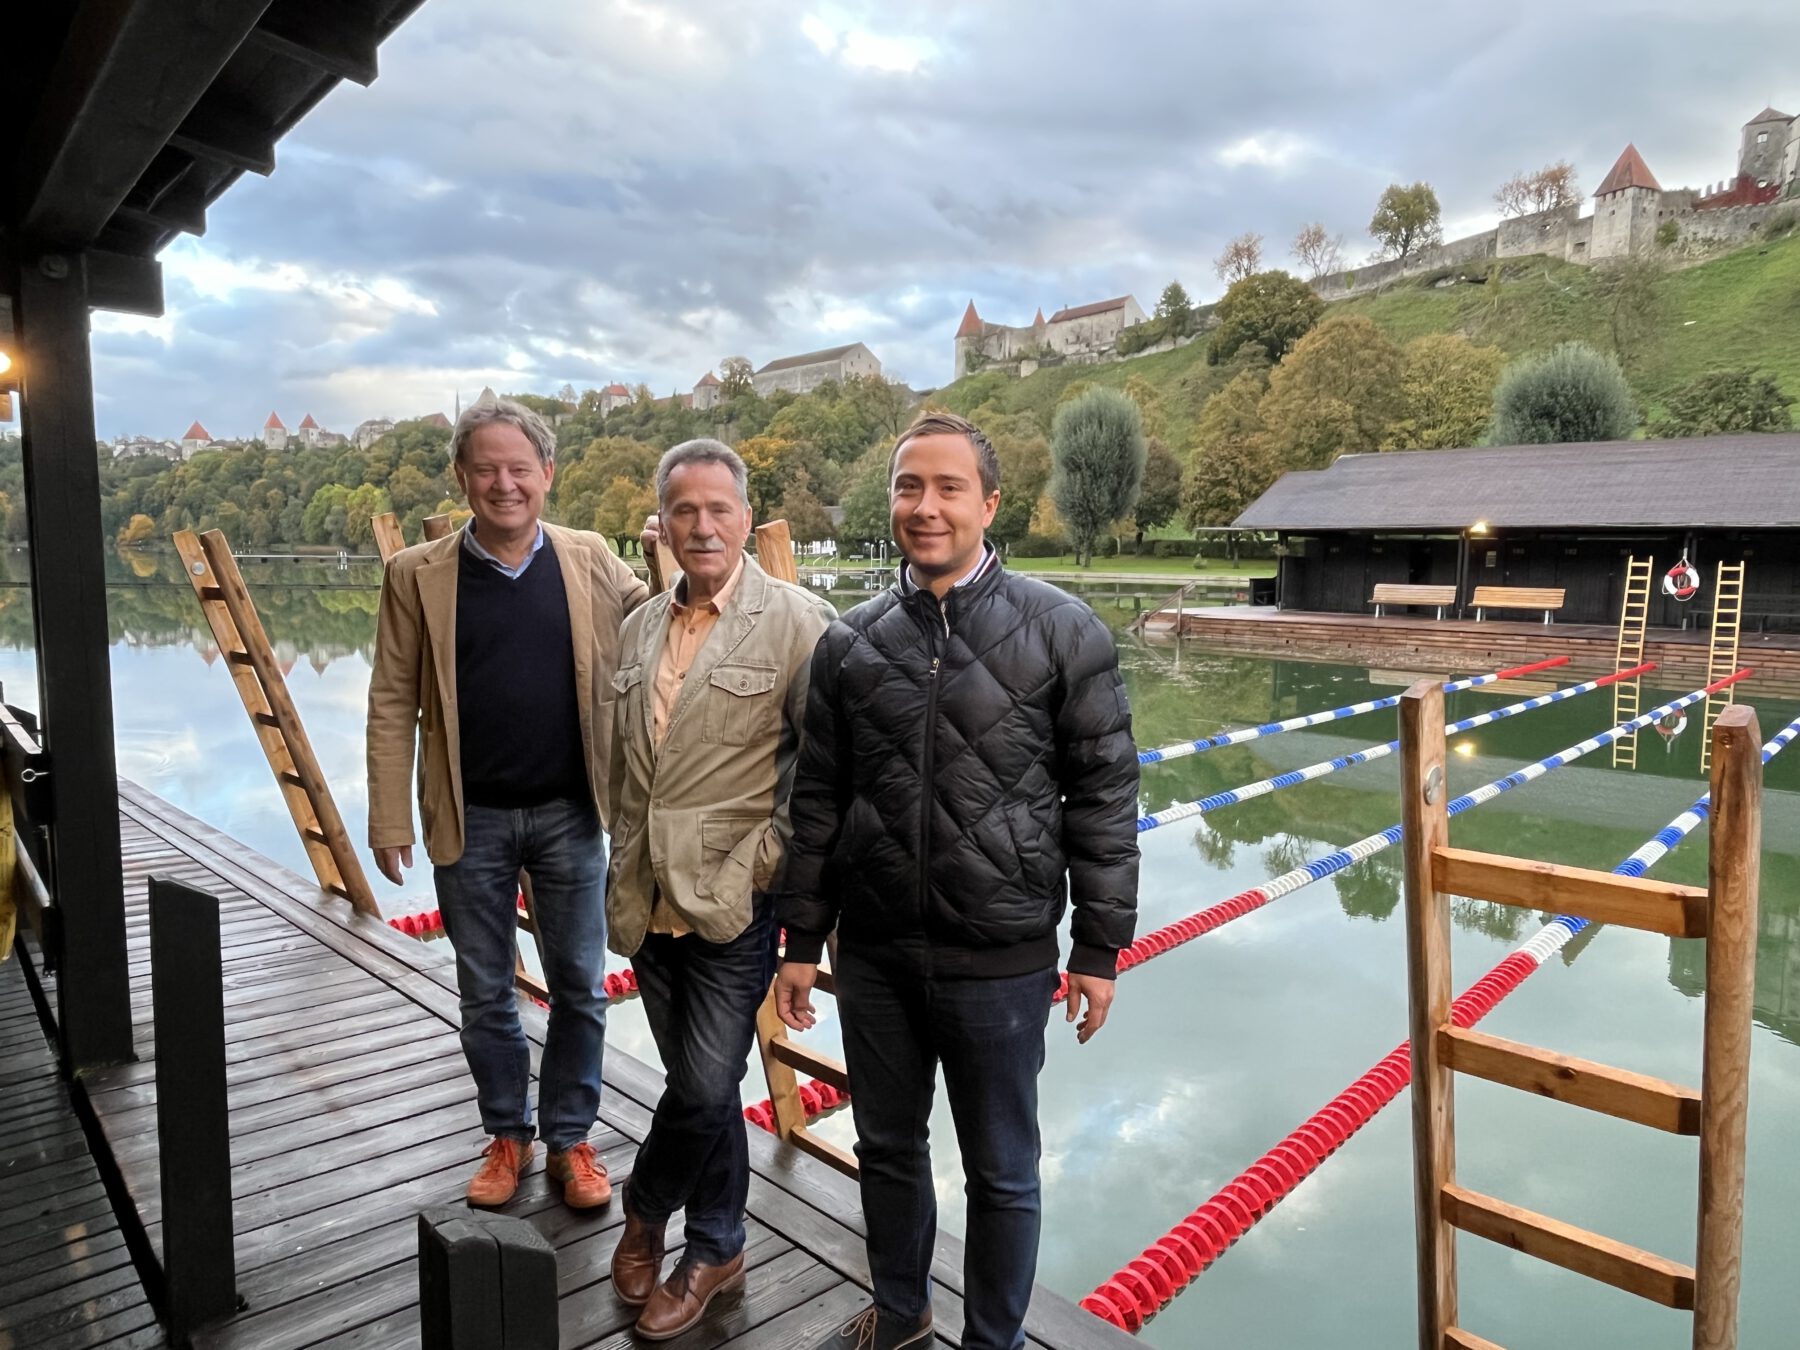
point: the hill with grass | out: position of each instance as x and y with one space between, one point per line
1667 326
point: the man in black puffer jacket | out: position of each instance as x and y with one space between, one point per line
968 769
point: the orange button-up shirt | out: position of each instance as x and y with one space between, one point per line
689 627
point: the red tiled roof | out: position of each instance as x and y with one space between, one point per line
1629 172
435 420
707 379
616 389
971 322
1038 320
1083 311
273 421
309 423
197 433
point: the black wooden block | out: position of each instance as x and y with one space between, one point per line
486 1282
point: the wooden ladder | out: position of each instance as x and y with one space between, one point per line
231 614
1634 617
1724 914
1722 655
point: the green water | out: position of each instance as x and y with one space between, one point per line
1220 1048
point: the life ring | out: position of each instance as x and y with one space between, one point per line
1671 726
1681 581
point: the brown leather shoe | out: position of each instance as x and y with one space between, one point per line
681 1300
583 1176
502 1162
637 1261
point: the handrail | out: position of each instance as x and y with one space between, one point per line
1175 597
23 888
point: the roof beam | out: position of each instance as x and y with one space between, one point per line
220 131
129 74
120 282
180 208
327 35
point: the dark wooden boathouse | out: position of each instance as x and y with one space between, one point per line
1563 516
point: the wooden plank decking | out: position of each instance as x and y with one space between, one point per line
66 1277
351 1109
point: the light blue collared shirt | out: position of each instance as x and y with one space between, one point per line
473 544
988 554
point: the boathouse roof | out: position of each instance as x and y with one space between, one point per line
1743 482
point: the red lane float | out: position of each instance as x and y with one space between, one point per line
815 1097
620 984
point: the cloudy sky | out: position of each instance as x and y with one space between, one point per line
546 191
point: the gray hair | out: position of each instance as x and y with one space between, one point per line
503 412
702 451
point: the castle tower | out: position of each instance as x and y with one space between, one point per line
968 334
195 438
1765 141
309 432
274 434
1625 207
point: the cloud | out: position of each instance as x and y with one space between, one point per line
588 190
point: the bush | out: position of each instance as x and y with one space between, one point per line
1572 393
1271 309
1038 546
1727 401
1667 234
1174 548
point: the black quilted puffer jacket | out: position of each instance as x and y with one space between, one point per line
967 769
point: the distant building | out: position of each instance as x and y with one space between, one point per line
803 374
132 447
437 419
274 433
1077 331
308 432
614 396
372 430
706 391
194 439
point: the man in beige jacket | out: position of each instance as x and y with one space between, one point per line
711 692
494 657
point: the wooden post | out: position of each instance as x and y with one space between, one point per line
1424 793
194 1155
1733 865
436 527
657 576
68 577
388 538
775 551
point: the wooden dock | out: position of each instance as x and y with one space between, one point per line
351 1109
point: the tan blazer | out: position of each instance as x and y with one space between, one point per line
703 817
412 689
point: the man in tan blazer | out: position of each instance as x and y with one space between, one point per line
711 693
494 658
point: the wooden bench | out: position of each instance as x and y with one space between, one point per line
1547 598
1392 593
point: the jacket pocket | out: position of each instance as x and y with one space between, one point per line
728 846
741 705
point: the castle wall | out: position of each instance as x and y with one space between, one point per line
1553 232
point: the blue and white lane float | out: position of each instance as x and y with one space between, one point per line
1216 916
1148 1284
1294 777
1332 714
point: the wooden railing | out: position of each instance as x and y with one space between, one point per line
1175 598
24 810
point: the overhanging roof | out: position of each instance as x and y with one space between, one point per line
131 117
1750 482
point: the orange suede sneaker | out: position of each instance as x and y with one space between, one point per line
502 1162
583 1176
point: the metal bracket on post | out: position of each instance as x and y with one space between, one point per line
194 1136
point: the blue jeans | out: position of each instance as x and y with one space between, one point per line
701 999
989 1036
561 844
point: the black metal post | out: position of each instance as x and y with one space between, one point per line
194 1139
68 579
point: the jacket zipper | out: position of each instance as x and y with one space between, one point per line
926 764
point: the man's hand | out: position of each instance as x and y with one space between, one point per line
1099 994
793 994
391 860
652 532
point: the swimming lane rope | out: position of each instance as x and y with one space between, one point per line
1148 1284
1168 752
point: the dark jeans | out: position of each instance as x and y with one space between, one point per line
701 999
562 846
989 1036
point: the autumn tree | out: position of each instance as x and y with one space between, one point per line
735 377
1406 220
1571 393
1547 189
140 529
807 519
1271 309
1024 453
867 519
1097 453
1159 498
770 462
1150 405
1722 401
1242 258
1446 393
566 397
1318 252
1336 393
1233 464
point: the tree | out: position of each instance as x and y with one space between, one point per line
1571 393
1097 456
1722 401
1174 311
566 397
1024 470
1406 220
880 403
770 461
867 520
1233 464
1319 253
807 519
1446 393
139 529
1242 258
1149 401
1550 187
1335 394
1160 496
735 377
1630 293
1271 309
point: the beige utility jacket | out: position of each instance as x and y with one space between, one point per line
703 817
412 689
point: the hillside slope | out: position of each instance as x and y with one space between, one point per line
1742 309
